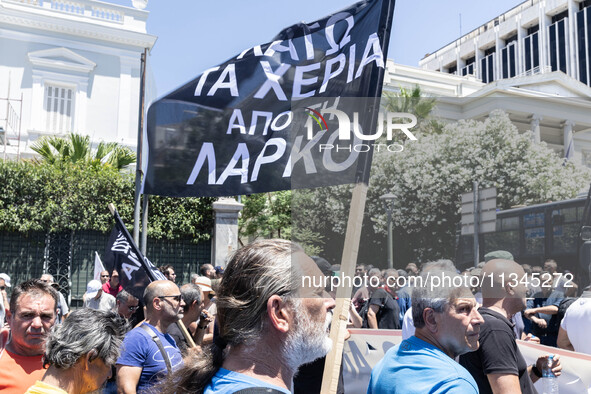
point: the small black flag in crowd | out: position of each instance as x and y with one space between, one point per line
135 270
259 123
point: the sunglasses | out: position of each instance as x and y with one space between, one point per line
177 298
104 276
133 308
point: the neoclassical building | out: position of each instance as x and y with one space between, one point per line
69 66
533 62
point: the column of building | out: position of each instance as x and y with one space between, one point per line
571 47
543 42
225 237
520 66
568 141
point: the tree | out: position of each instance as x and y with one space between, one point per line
413 101
76 148
277 215
266 215
430 174
428 178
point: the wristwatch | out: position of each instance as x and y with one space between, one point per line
536 371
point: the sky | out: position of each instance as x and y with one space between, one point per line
194 35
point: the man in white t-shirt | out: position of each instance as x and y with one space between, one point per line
574 328
96 298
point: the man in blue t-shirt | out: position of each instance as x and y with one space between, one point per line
447 324
142 363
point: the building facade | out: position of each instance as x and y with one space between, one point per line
533 62
537 36
69 66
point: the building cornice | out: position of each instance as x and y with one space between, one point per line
65 26
526 86
73 62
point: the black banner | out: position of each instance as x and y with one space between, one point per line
135 270
265 119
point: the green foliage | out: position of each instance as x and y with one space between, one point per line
76 148
74 196
429 176
414 101
277 215
61 197
311 241
266 215
174 218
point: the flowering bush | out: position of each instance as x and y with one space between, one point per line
430 175
428 178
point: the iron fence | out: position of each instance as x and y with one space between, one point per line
69 257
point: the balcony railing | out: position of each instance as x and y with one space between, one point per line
88 8
536 70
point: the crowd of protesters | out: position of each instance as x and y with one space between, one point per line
255 326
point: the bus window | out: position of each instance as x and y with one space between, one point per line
534 240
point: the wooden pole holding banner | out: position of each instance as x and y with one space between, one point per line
149 273
332 366
186 333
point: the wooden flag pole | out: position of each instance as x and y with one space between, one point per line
332 365
186 333
340 318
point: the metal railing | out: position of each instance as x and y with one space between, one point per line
11 125
69 257
535 70
85 8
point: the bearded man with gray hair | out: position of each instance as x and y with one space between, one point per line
269 323
81 351
447 324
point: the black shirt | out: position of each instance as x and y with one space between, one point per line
308 380
387 315
498 354
175 332
553 321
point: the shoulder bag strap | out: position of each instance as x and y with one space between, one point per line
159 344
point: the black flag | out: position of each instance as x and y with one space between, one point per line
271 118
135 270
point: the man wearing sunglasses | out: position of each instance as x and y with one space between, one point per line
105 276
126 304
149 354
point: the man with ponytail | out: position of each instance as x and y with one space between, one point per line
269 323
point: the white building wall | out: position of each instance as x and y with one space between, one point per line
98 59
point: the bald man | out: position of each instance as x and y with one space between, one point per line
148 352
498 365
